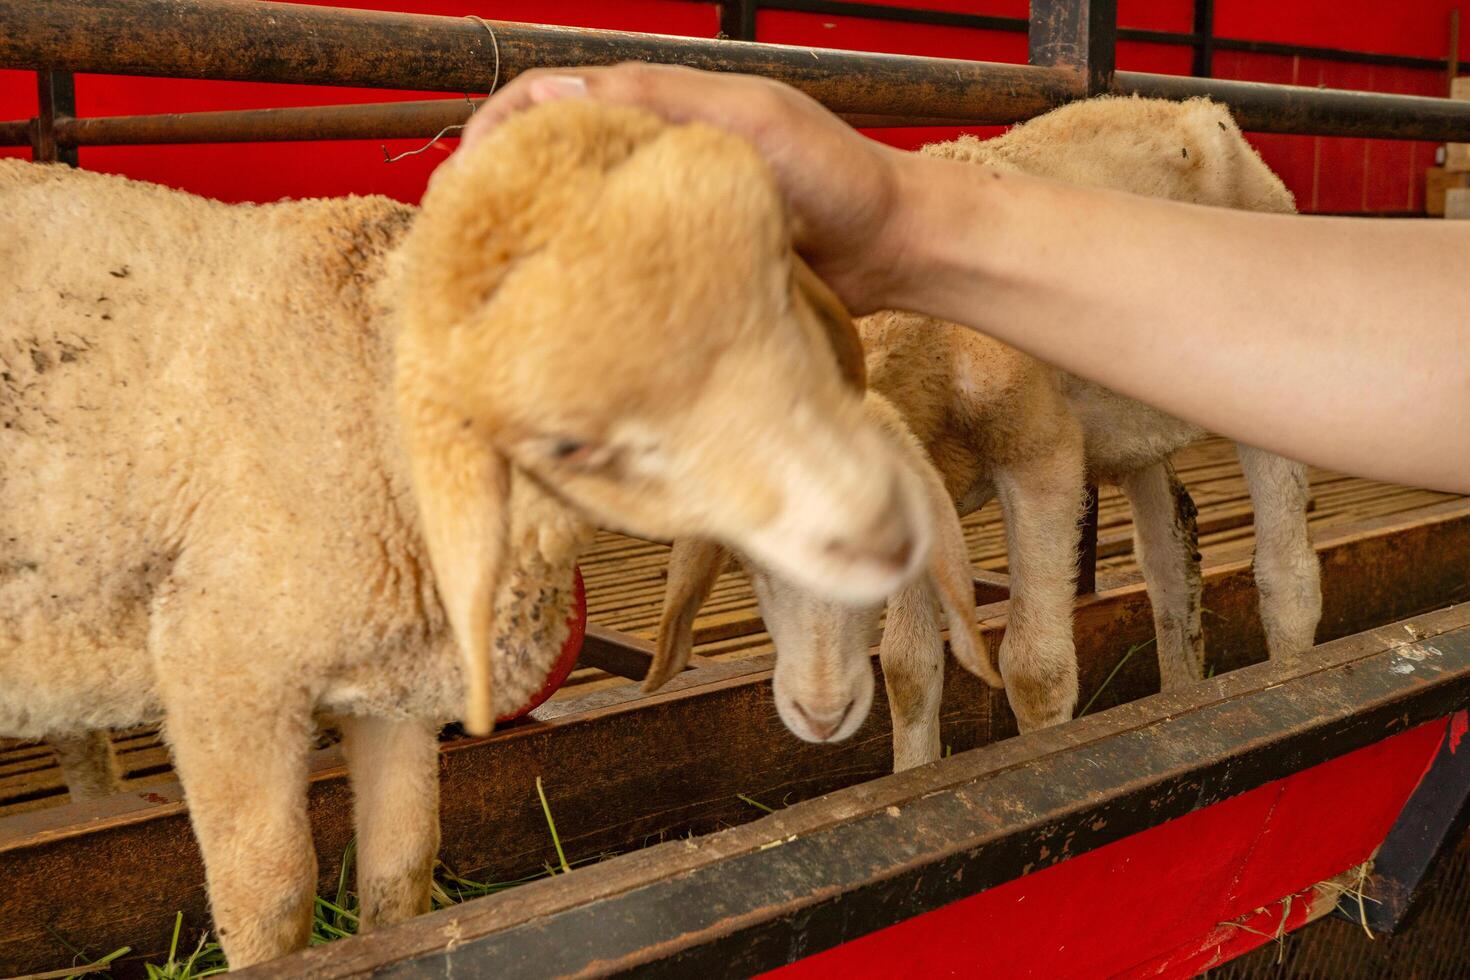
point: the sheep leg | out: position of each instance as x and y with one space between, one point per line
1042 504
1166 542
243 764
1288 576
395 784
88 764
912 653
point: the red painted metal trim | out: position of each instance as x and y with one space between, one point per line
1170 902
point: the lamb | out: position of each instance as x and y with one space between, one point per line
995 422
336 457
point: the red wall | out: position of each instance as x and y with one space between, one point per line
265 171
1325 174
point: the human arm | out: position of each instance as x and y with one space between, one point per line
1342 342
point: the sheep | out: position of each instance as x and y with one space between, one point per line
995 422
87 764
336 457
824 693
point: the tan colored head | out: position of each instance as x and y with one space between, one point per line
823 682
610 303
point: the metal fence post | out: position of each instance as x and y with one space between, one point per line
57 98
737 19
1204 38
1077 34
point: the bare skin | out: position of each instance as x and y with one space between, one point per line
1338 341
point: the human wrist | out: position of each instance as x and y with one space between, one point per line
945 233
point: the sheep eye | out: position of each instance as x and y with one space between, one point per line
564 449
580 454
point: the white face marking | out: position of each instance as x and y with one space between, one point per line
823 684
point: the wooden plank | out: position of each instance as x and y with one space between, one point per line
868 857
666 764
622 654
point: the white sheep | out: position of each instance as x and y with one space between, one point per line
996 422
261 463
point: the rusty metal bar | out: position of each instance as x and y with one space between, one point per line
1204 33
367 121
56 99
251 40
737 19
384 120
15 132
1258 107
1264 108
1080 35
282 42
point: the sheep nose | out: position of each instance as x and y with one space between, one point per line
887 542
823 725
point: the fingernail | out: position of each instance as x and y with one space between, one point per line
554 87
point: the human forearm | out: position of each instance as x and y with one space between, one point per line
1339 341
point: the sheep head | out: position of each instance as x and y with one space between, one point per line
823 683
610 304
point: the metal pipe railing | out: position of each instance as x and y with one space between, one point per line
1266 108
261 41
367 121
252 40
15 132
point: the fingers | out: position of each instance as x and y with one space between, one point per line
528 89
678 94
841 187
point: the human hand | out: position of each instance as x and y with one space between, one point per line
844 189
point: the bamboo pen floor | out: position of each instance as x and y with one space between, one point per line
625 581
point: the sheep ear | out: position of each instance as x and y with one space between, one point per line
462 485
694 565
836 323
953 579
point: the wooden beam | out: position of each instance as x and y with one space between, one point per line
826 871
623 653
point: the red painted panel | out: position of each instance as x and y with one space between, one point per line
1229 939
1157 899
17 101
913 137
265 172
1324 174
1412 27
994 8
868 34
1164 59
1157 15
